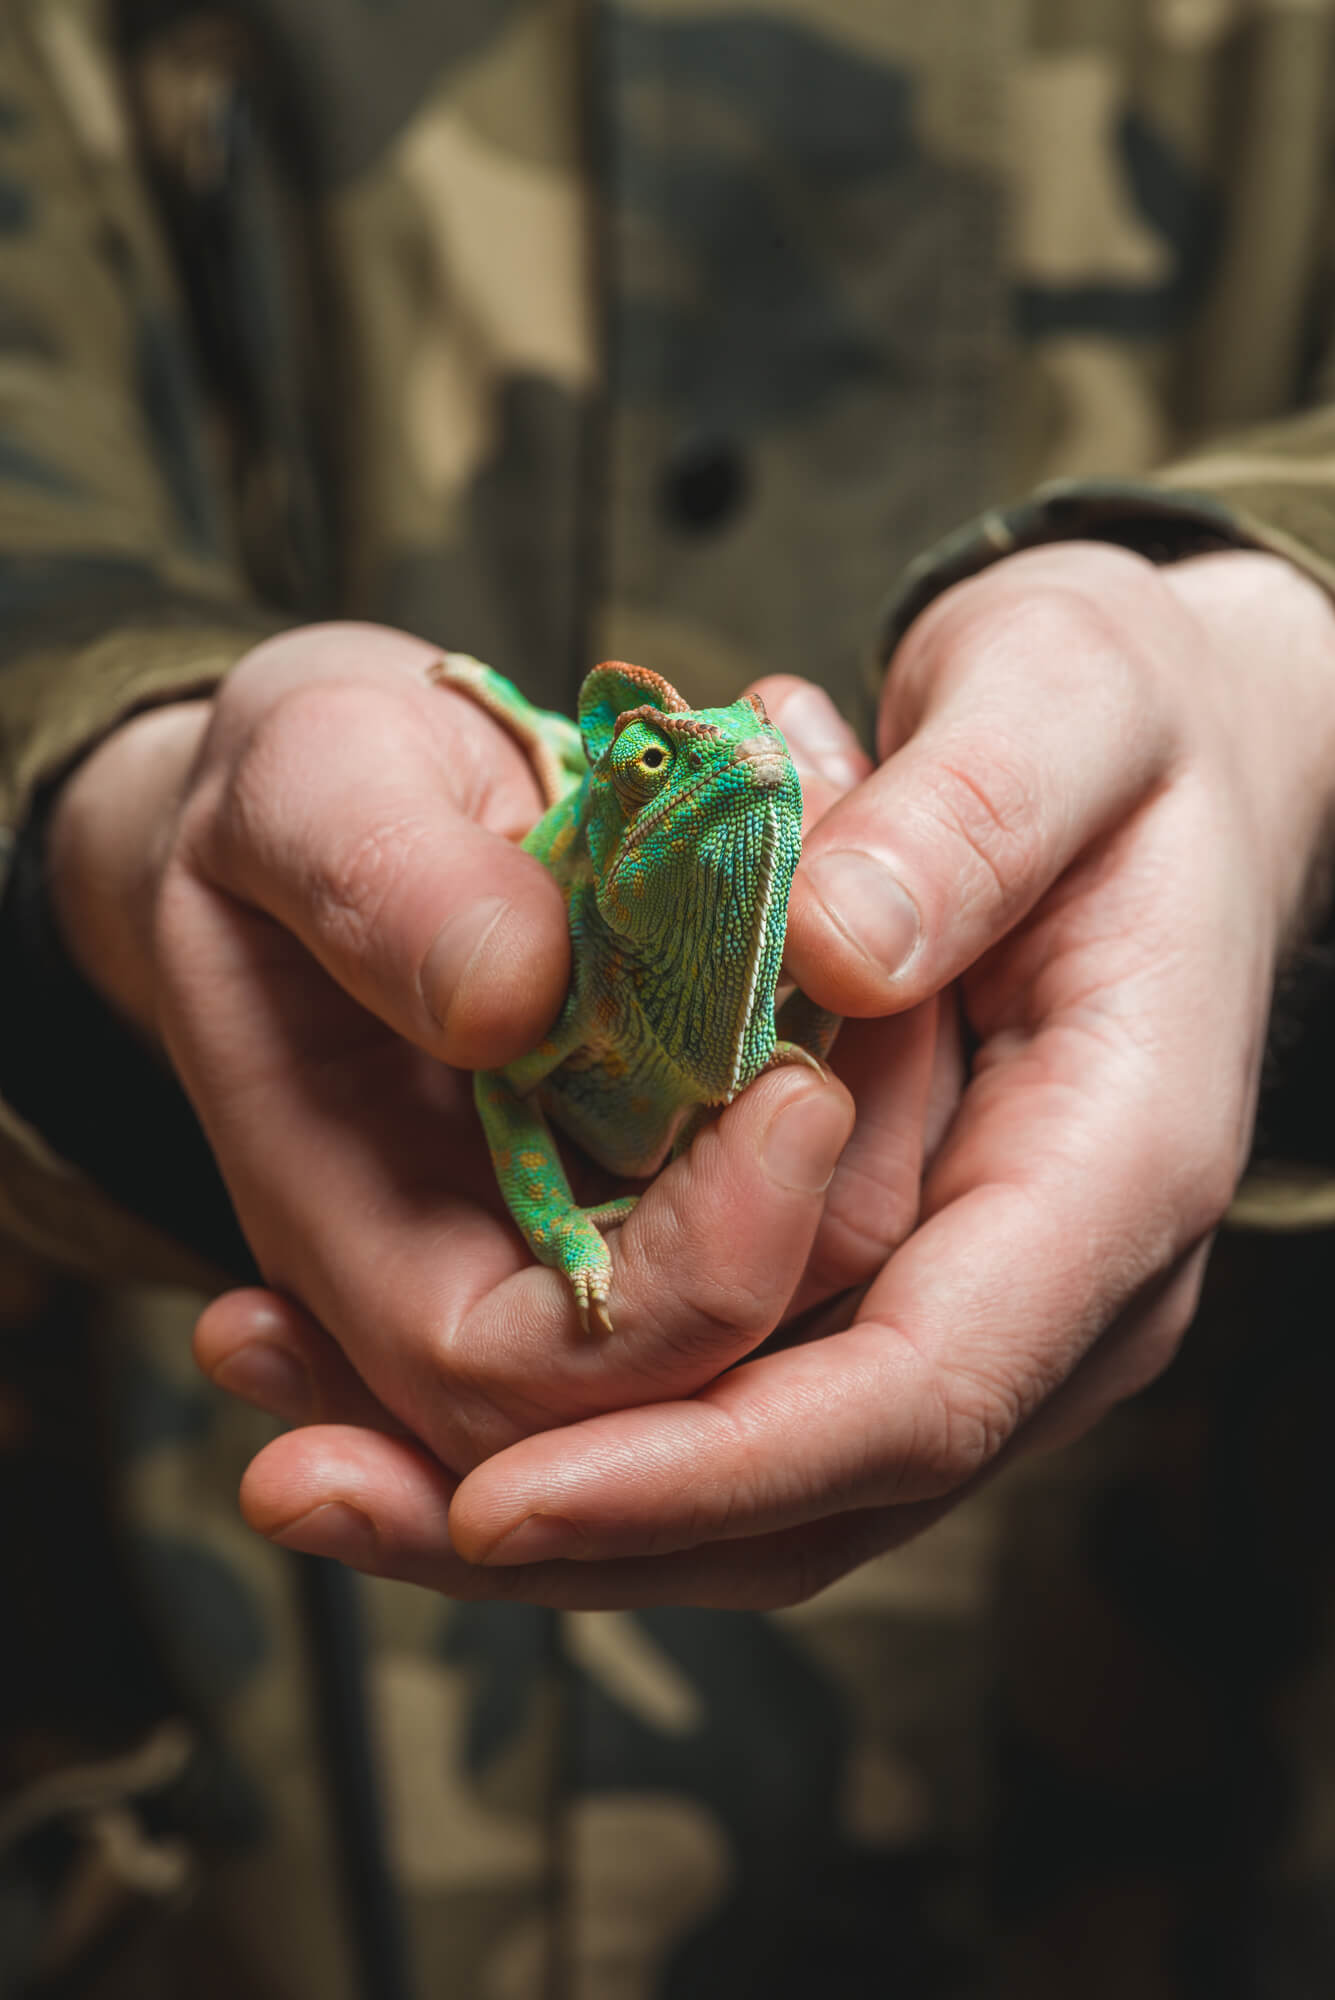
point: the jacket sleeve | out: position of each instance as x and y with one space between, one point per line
118 589
1272 488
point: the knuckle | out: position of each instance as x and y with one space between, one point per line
965 1417
708 1318
722 1300
293 724
973 628
270 822
293 735
204 839
995 819
1054 620
869 1211
254 784
350 888
1017 629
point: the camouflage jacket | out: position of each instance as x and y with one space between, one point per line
555 329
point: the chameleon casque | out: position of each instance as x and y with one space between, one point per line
673 833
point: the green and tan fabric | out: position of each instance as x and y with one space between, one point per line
673 330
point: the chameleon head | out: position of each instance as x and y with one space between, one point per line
693 825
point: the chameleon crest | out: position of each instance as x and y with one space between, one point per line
674 833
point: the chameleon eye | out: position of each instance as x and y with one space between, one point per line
641 762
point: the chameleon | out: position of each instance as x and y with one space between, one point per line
673 834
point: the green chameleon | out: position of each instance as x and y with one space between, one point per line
673 833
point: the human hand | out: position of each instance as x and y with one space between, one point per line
1105 792
308 893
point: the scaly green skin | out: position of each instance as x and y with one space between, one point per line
674 835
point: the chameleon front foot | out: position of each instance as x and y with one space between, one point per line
789 1055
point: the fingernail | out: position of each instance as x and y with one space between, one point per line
332 1529
458 944
269 1376
537 1538
872 909
819 738
801 1148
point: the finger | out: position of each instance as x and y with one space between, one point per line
981 1315
823 746
734 1220
265 1349
382 1506
788 1438
435 1300
1131 1354
949 1075
1027 727
356 1164
888 1066
702 1271
370 817
873 1199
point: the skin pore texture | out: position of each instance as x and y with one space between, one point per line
1095 828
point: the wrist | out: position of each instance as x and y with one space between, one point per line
1272 631
107 836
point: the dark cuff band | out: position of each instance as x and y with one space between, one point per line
90 1086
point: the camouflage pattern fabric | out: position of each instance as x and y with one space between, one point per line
673 330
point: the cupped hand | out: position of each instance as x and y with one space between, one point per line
1096 829
309 894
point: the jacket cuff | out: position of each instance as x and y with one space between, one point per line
58 702
102 1165
1155 517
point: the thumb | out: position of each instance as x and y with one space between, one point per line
1034 732
367 812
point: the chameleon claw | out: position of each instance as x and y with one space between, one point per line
598 1311
592 1279
590 1289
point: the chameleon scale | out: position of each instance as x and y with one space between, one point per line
673 833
